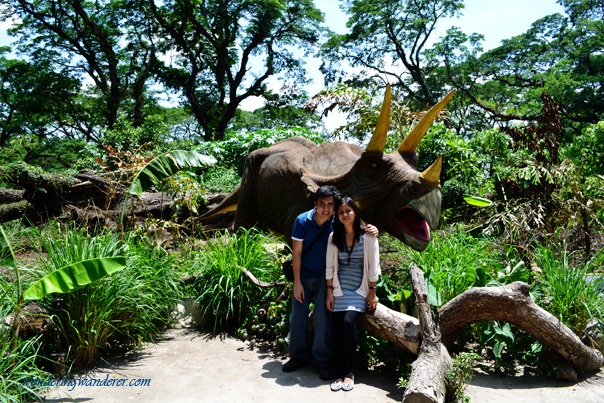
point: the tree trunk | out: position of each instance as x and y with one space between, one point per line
427 382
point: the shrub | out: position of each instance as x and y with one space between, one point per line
460 376
220 179
572 294
236 146
120 310
226 295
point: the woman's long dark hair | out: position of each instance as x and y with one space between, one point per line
339 236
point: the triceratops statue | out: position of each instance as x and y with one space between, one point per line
277 182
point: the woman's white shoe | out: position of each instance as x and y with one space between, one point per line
336 385
348 386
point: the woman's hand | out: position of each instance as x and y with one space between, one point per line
371 301
329 301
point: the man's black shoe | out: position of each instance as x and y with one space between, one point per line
326 374
293 365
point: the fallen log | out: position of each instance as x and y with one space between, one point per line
400 329
513 304
427 382
85 197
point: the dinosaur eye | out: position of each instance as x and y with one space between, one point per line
374 166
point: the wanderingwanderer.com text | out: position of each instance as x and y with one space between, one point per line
74 382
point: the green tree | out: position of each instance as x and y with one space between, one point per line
388 39
285 109
107 44
561 55
33 98
226 51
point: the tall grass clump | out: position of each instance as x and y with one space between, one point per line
117 311
18 362
572 294
226 295
456 261
18 366
18 358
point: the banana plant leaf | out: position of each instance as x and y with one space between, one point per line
7 257
167 165
74 276
477 201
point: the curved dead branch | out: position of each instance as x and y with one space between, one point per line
513 304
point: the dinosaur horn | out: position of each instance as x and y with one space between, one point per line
432 173
378 140
409 145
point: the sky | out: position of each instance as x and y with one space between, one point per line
495 19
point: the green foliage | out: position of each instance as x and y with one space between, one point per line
51 154
381 30
220 179
125 135
477 201
454 262
33 96
587 151
238 58
557 55
225 292
269 323
281 109
73 277
7 256
464 168
571 293
403 380
19 357
120 310
232 151
499 336
380 354
459 377
165 166
361 109
17 366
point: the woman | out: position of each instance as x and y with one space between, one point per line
352 271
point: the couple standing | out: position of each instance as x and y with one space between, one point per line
336 266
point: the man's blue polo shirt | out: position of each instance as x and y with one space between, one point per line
306 230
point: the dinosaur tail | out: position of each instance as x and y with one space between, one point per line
229 203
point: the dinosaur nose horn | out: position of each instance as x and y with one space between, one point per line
432 173
378 140
409 145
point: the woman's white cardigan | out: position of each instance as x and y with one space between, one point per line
371 265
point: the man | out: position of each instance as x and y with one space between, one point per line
309 235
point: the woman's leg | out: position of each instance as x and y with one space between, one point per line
349 342
338 335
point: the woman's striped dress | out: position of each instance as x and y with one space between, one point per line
350 275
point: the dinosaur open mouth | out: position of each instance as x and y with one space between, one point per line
411 222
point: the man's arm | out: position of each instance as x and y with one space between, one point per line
371 230
297 265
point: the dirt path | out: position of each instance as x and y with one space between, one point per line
188 367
